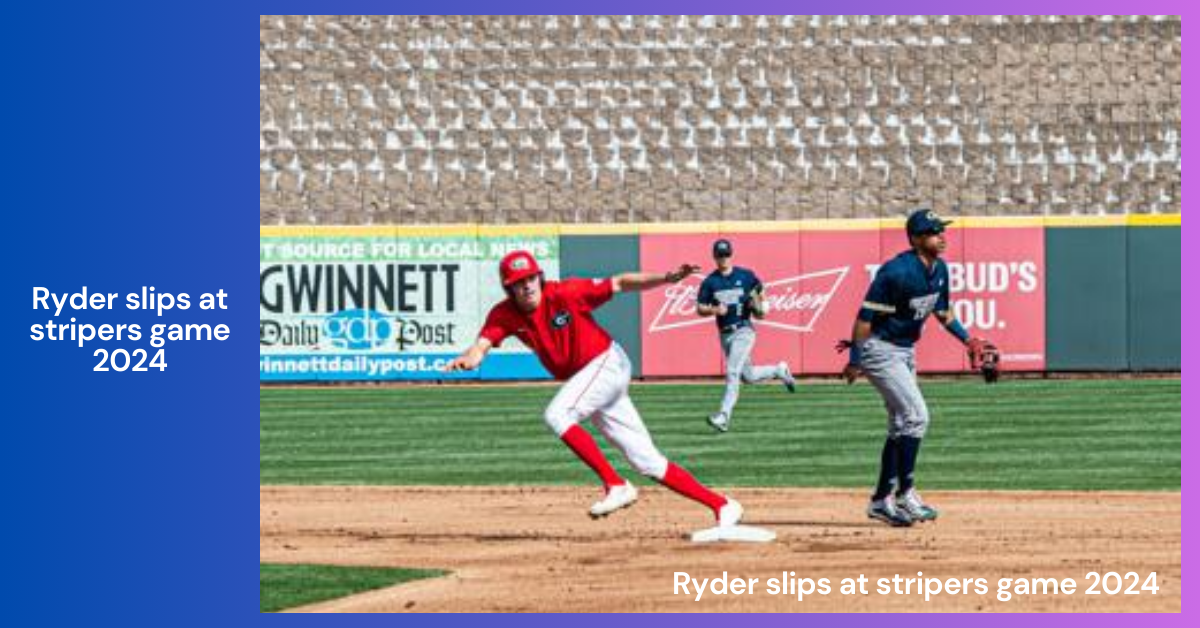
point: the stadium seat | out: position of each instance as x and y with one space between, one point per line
507 118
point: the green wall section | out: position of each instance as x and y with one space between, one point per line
604 255
1087 317
1112 298
1154 298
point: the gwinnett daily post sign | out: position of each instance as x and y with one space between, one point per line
365 304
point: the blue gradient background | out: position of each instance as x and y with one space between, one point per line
129 497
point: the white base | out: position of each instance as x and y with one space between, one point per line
738 533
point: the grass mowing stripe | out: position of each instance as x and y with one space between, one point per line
763 445
393 397
288 586
1068 434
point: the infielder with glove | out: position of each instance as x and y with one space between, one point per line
906 290
733 295
554 319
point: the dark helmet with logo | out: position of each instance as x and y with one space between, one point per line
925 222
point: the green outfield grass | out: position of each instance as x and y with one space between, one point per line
1034 434
289 586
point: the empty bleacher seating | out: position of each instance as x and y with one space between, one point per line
519 119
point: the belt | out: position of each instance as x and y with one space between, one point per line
729 329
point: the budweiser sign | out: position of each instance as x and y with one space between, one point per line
794 304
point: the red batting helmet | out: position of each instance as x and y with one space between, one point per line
516 266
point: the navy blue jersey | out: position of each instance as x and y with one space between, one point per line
734 291
903 295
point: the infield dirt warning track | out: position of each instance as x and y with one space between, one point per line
512 549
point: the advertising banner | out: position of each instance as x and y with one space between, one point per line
368 304
815 280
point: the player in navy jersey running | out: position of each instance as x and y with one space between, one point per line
733 295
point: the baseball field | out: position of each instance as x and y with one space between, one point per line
1035 478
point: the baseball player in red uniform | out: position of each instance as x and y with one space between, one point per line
554 319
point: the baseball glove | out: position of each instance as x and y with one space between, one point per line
756 304
985 358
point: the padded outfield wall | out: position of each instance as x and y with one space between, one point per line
395 303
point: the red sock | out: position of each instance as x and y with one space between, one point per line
682 482
585 447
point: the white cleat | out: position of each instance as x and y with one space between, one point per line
911 504
719 422
730 514
729 528
618 497
785 374
885 510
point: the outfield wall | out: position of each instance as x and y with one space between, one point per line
394 303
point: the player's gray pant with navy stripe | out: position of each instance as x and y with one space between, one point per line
737 346
893 371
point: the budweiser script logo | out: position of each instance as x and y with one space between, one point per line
794 303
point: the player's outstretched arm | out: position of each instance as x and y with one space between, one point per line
471 358
634 282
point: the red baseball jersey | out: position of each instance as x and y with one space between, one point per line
561 331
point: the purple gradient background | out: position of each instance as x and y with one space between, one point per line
1189 336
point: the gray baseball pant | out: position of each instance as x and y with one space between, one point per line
892 370
737 346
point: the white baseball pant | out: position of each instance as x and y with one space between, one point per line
600 392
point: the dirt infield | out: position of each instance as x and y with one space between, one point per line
517 549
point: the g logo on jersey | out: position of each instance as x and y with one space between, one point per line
562 319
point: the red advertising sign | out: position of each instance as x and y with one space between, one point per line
854 253
1000 292
815 282
682 342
